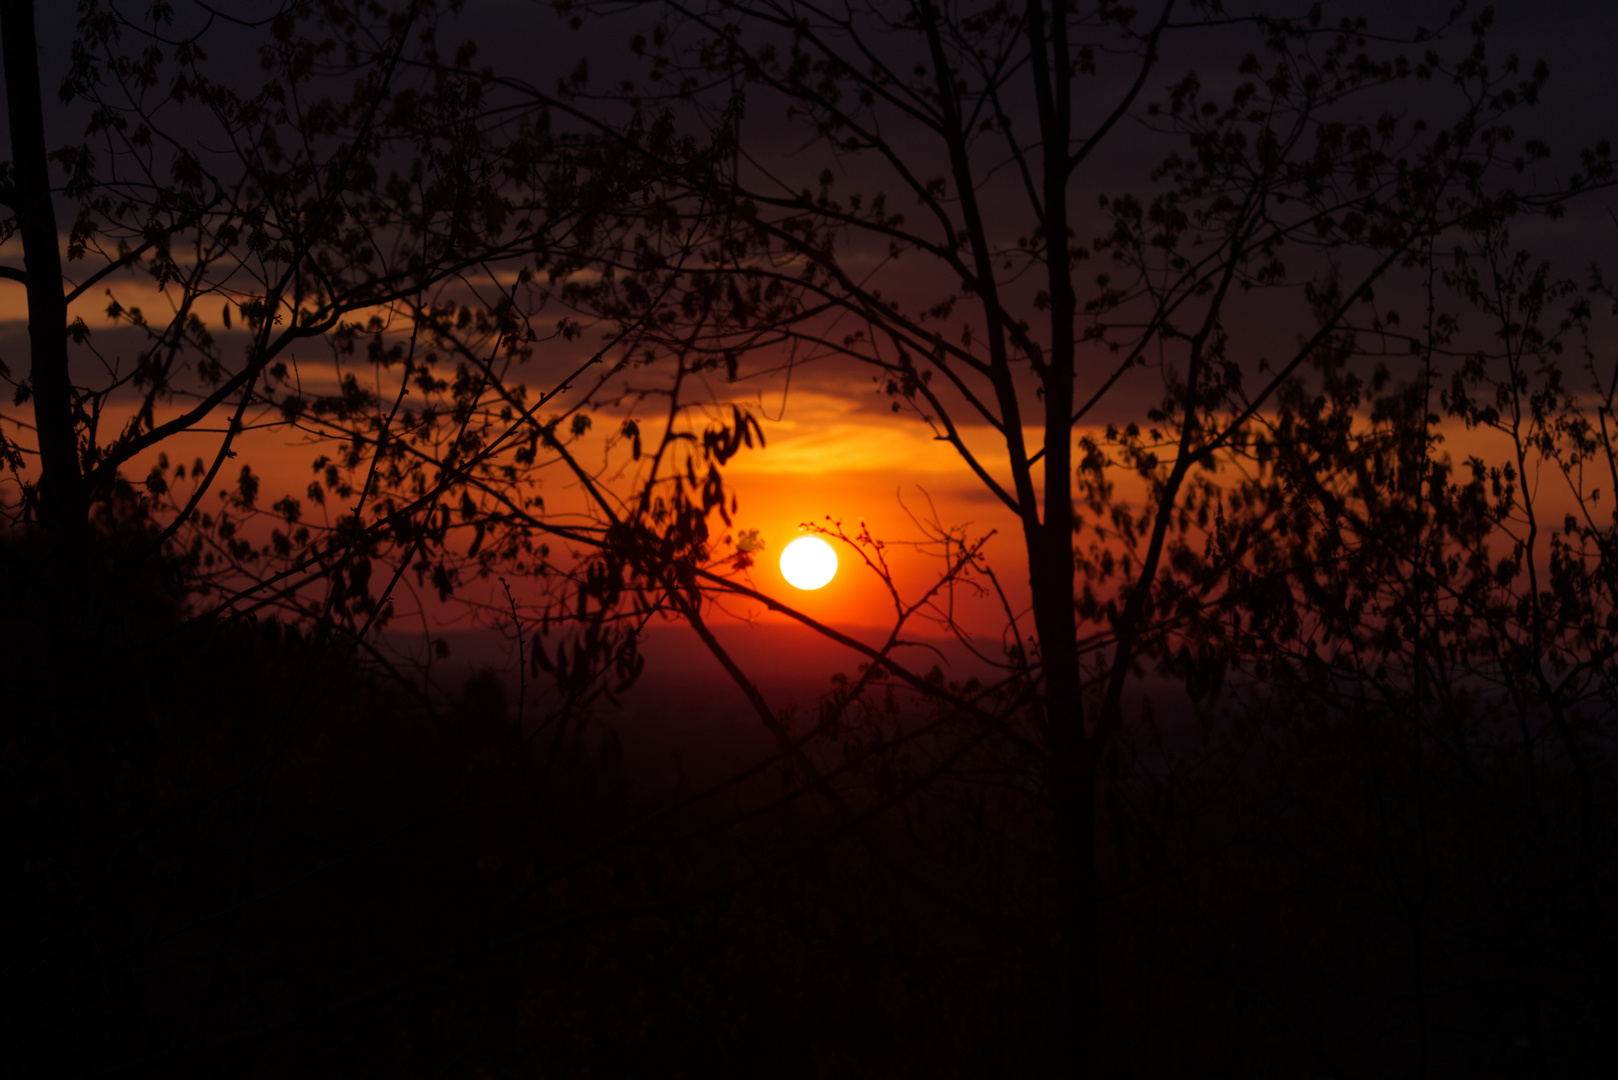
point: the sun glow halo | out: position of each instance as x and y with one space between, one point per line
808 563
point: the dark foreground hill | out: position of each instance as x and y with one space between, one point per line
231 849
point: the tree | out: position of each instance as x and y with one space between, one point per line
34 220
272 214
1448 626
297 213
1297 189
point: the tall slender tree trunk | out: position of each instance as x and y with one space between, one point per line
1070 768
1071 781
63 503
75 825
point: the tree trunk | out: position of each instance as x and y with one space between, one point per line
1070 766
62 500
1071 780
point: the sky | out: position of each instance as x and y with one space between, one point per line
835 452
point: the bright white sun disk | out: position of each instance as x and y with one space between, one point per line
808 562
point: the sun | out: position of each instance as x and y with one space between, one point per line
808 562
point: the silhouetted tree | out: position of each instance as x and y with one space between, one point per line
930 215
317 205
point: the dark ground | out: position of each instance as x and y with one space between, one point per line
230 851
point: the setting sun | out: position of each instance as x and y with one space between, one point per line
808 563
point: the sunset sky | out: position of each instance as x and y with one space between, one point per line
835 450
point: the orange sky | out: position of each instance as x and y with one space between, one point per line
834 452
829 455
